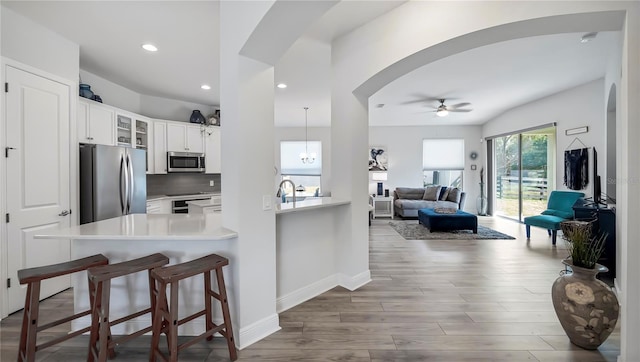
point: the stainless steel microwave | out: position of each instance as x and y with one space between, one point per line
185 162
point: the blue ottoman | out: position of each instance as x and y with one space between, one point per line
445 222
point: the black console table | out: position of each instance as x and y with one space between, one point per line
605 222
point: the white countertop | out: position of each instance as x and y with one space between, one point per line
204 203
147 227
310 203
182 197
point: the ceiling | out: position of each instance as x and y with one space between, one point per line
493 79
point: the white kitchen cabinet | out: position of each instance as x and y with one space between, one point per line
159 147
123 128
208 206
134 130
212 149
144 140
154 207
184 138
160 206
96 123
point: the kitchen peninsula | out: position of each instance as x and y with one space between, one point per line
181 237
312 254
311 257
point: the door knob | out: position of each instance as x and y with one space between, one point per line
64 213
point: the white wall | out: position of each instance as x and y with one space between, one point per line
158 107
155 107
580 106
113 94
30 43
404 149
322 134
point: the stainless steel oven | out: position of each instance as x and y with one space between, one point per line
185 162
181 206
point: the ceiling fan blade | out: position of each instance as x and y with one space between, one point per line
459 105
421 98
459 110
412 102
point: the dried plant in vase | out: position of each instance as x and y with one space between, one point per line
587 308
584 248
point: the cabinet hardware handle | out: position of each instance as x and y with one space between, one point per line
64 213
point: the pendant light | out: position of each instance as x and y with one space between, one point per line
305 156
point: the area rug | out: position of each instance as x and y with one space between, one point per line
412 230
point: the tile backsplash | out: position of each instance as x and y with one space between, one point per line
180 183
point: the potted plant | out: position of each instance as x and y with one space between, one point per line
586 307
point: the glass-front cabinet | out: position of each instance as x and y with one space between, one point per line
135 131
142 131
123 127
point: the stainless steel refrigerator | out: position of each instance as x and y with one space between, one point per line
113 182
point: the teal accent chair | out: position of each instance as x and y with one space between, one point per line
559 209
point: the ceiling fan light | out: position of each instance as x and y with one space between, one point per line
442 112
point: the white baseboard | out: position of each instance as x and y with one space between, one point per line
303 294
258 330
313 290
355 282
617 289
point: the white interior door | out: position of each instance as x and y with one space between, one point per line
37 178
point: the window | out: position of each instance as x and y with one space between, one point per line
306 176
443 162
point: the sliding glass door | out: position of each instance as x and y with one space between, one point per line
507 176
524 165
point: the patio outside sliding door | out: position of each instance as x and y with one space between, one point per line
507 176
523 172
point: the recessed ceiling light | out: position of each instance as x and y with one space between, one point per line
149 47
281 85
205 86
588 37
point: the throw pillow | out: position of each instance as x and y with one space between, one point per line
431 193
444 192
454 195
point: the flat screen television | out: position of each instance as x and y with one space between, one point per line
597 192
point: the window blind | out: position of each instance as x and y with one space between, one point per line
290 162
443 154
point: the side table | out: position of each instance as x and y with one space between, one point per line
382 206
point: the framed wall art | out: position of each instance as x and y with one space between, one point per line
378 158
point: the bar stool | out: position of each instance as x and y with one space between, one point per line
166 316
101 342
33 277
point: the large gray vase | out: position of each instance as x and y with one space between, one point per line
586 307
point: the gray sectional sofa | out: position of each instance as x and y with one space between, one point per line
408 200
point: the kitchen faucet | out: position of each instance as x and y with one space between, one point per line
293 186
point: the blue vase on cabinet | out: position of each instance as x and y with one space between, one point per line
196 117
85 91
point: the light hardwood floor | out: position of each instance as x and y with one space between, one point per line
478 300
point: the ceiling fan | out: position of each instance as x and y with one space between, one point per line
443 110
